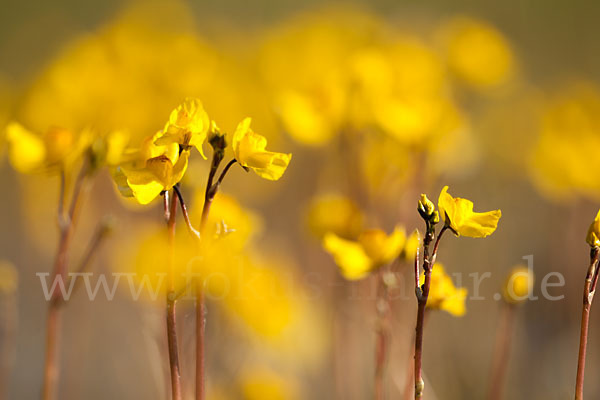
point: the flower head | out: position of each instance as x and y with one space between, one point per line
373 249
250 151
154 168
459 216
188 126
334 213
57 148
519 285
593 235
443 295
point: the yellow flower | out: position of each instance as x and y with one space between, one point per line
156 168
519 285
565 151
334 213
109 150
593 235
188 126
9 278
373 249
259 383
57 148
443 295
478 53
458 214
411 245
249 149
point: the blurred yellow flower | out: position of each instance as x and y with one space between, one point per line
459 216
57 149
593 235
109 149
565 152
265 384
374 248
9 278
477 52
336 214
155 168
411 245
443 295
250 151
315 49
519 284
187 126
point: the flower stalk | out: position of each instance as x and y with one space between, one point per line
589 290
53 323
218 144
171 317
501 351
422 294
383 333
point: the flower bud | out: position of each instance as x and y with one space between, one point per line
518 285
426 209
593 235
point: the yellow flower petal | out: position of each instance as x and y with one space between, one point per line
380 247
27 151
350 256
188 126
144 185
443 295
458 214
249 149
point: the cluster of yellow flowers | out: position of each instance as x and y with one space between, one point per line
162 160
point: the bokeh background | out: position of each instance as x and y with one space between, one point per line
378 101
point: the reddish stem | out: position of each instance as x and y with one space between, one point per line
171 308
422 296
588 295
501 352
60 269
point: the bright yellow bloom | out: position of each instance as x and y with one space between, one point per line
443 295
373 249
188 126
155 168
565 153
593 235
336 214
519 284
250 151
458 214
478 53
57 148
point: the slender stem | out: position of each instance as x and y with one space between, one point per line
200 335
171 310
186 216
61 200
588 295
92 250
49 389
224 172
211 191
409 386
383 336
422 294
501 351
166 205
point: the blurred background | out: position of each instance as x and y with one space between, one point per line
378 101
